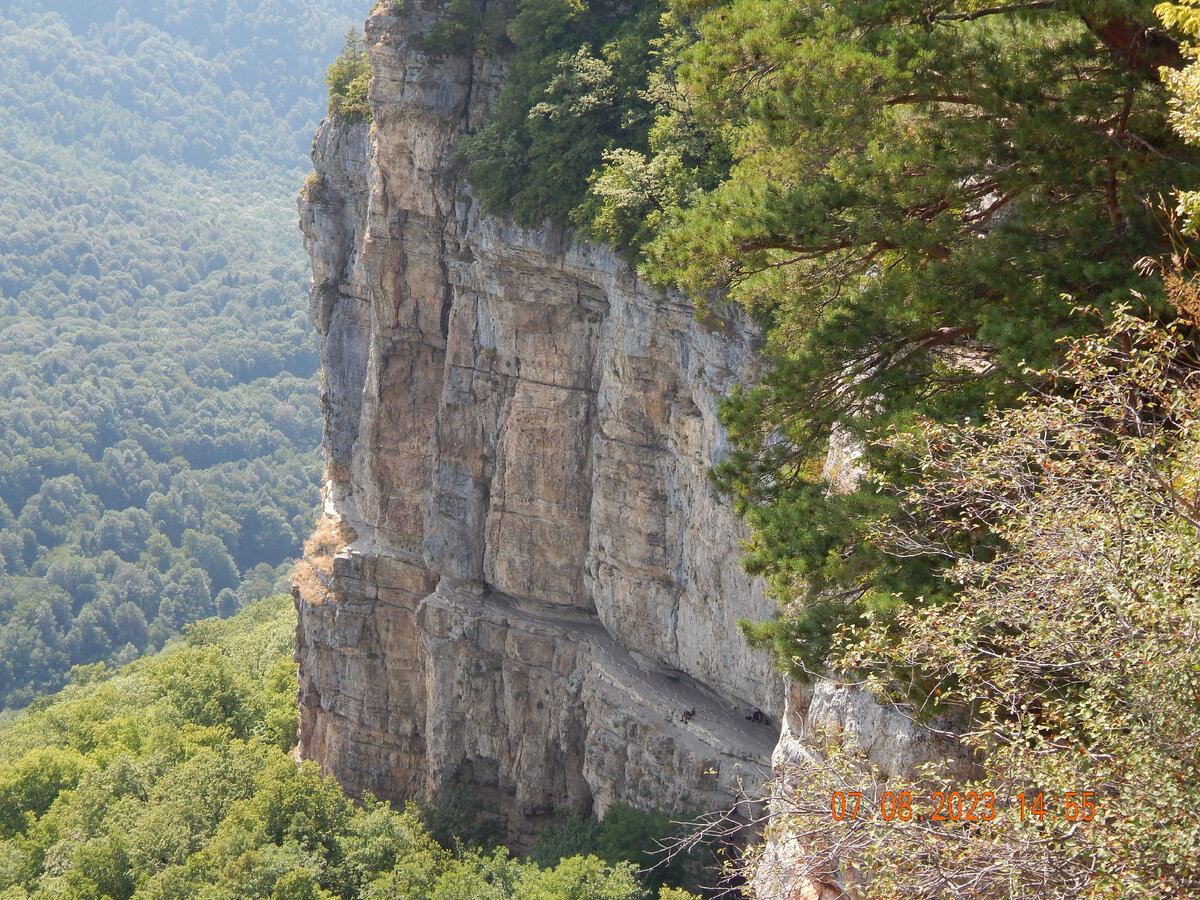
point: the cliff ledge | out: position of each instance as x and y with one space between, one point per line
522 578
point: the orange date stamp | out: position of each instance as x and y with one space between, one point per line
964 806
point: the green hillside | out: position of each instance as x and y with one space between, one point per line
158 418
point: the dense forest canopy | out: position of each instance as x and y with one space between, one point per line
172 779
158 418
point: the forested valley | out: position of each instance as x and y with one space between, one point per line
158 411
967 234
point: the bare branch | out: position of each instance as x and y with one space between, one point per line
997 11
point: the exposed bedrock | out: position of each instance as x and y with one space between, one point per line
523 577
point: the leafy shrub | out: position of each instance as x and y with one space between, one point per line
28 788
624 835
467 28
457 814
1068 653
574 91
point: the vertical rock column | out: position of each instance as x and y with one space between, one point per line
380 300
522 577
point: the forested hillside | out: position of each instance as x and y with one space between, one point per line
172 779
158 412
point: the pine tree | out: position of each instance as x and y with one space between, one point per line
347 79
922 194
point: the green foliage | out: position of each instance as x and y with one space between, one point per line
569 834
347 79
31 785
159 415
635 195
468 28
458 814
573 92
1184 86
1064 656
162 782
299 884
205 689
580 878
624 835
900 169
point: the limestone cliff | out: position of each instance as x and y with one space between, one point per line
523 578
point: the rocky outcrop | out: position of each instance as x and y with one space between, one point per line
882 738
523 578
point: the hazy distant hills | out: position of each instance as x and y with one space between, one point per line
158 395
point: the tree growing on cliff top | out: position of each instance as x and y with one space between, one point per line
1070 653
911 196
921 194
574 91
348 78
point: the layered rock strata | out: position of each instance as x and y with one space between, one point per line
523 578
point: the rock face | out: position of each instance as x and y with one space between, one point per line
818 715
522 579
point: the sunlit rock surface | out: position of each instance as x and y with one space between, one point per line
523 578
